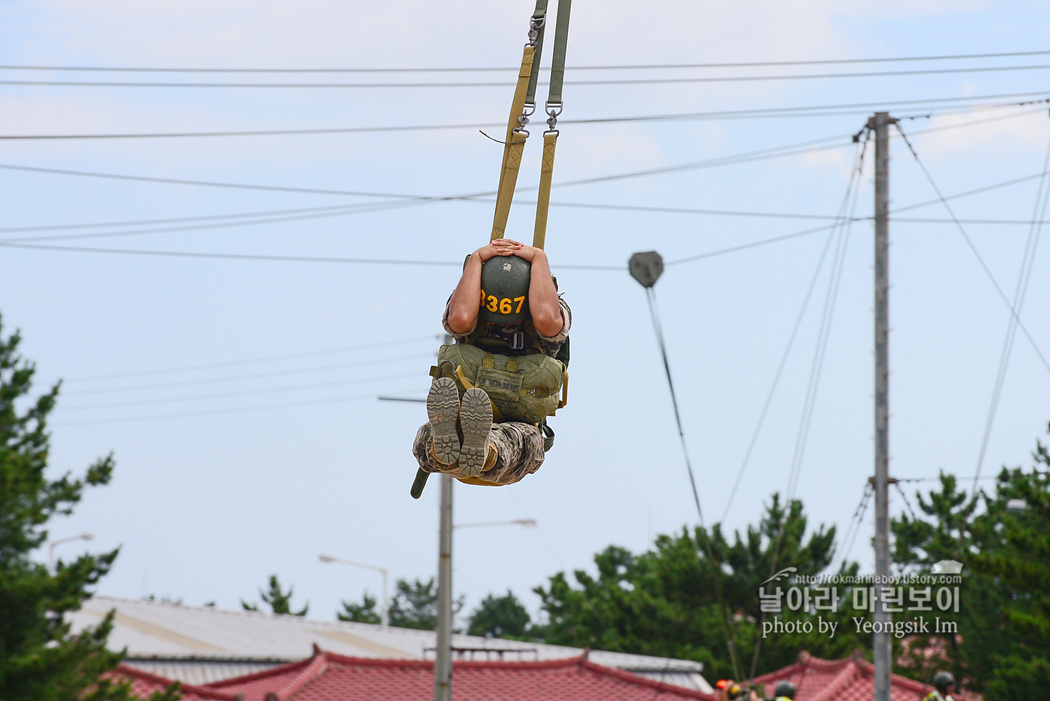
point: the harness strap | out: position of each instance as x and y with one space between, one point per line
561 36
543 200
538 24
550 137
514 145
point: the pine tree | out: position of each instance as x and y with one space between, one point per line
279 601
39 657
675 599
365 612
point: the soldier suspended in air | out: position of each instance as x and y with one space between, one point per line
494 388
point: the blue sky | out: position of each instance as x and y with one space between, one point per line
239 395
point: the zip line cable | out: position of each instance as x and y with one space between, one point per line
126 69
1027 261
650 294
787 112
503 84
855 174
973 249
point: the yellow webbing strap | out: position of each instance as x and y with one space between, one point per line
543 201
564 389
479 482
513 147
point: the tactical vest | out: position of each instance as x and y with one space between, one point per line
523 383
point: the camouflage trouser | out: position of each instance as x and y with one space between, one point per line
519 452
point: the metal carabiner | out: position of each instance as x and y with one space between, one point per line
523 118
553 112
535 25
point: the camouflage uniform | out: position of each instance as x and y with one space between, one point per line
519 446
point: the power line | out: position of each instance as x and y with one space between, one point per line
973 249
252 376
207 183
1027 260
503 84
775 152
239 393
430 69
603 268
798 111
855 175
582 205
252 361
234 410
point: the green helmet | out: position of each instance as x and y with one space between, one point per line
505 289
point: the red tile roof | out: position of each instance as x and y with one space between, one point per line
330 677
851 679
143 684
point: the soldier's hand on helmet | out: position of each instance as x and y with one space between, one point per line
499 247
528 253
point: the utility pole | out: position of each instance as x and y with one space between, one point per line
882 642
443 652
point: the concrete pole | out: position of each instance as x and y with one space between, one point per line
882 641
443 653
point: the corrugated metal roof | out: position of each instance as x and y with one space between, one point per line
197 644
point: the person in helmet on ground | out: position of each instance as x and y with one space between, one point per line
510 325
784 691
943 685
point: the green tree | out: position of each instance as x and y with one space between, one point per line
415 605
695 594
499 617
39 657
277 598
365 612
1002 643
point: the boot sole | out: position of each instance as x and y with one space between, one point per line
475 418
443 412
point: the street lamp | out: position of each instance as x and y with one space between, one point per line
384 613
51 548
523 522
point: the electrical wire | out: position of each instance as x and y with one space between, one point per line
234 410
854 524
430 69
238 393
211 183
855 175
252 376
973 249
1027 261
252 361
787 112
841 236
582 205
503 84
